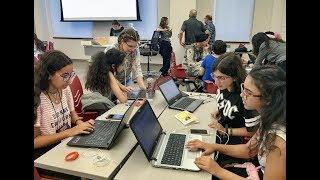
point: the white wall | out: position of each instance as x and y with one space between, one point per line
268 15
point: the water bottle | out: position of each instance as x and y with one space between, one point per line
149 87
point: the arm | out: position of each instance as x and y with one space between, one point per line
45 140
261 55
276 161
241 132
138 71
180 38
121 96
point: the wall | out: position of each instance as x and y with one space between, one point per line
177 16
268 15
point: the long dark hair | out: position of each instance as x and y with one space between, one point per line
230 64
271 82
163 23
50 62
98 73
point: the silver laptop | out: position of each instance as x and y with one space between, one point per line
176 99
162 149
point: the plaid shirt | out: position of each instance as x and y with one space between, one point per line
211 28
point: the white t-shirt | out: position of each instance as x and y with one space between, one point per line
281 132
53 118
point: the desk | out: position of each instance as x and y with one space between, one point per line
138 166
83 167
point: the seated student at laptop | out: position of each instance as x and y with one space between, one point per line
56 114
219 47
264 90
228 74
104 88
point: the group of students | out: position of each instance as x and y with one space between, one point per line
252 105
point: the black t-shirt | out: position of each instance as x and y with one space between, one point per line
116 32
191 27
232 112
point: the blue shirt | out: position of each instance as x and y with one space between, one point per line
207 64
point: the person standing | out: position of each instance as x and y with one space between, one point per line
165 45
211 28
116 28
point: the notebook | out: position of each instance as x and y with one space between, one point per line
161 149
104 134
175 99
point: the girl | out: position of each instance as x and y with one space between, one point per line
165 45
228 74
101 80
128 43
56 114
264 90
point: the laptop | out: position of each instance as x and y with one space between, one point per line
176 99
104 134
148 93
161 149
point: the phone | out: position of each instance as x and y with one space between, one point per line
198 131
114 116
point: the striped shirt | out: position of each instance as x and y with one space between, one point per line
53 118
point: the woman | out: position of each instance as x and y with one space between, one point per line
116 28
128 43
269 49
102 83
165 45
56 114
264 90
228 74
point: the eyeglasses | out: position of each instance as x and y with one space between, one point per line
68 76
220 78
247 92
131 46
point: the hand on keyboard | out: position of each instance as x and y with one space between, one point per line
82 128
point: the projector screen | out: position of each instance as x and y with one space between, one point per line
99 10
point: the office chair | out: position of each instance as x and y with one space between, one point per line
77 92
151 50
179 75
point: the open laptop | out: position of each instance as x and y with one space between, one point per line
176 99
104 134
148 93
161 149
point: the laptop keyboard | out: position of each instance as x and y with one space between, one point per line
103 132
174 150
183 104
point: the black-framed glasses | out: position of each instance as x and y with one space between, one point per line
247 92
67 76
220 78
131 46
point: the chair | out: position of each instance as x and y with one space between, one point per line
36 175
210 87
152 49
77 92
179 75
49 45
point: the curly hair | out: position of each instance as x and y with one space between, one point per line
271 82
128 34
163 23
50 62
230 64
102 64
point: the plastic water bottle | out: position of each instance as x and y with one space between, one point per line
149 86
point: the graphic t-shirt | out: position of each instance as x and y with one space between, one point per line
233 113
53 118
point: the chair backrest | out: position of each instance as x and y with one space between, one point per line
77 92
155 40
210 87
49 46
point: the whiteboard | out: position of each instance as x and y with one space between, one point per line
233 20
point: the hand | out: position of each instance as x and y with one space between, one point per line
182 44
216 125
208 164
215 114
196 144
81 128
126 88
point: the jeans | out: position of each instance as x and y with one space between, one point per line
165 51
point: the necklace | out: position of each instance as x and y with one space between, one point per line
54 109
56 96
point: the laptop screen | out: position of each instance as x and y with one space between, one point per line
146 128
169 90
